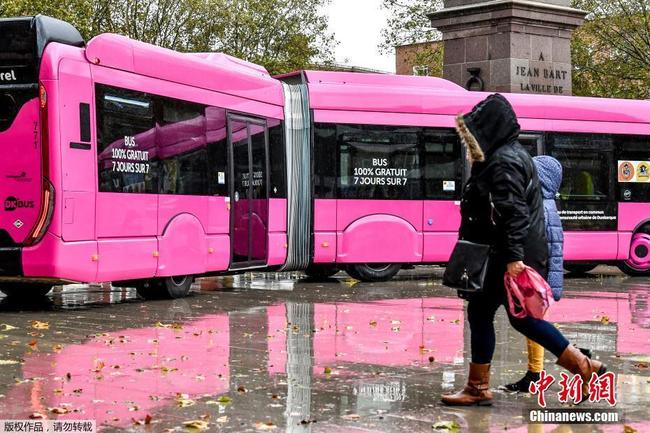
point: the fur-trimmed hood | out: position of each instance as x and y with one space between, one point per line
490 124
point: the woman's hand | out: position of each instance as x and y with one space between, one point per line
515 268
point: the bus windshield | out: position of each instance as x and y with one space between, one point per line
18 79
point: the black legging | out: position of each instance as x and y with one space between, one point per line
480 313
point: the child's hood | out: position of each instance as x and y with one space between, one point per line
549 171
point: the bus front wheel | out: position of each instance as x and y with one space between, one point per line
320 272
373 272
25 290
168 287
638 263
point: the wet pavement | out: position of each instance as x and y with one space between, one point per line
278 352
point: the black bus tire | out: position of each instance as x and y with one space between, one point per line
632 272
25 290
579 268
320 272
373 272
168 287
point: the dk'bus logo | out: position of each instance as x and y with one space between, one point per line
12 203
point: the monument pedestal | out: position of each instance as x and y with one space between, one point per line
514 46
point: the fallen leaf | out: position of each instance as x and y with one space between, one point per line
373 323
37 415
452 426
8 362
431 319
352 416
146 421
222 419
241 389
58 410
395 322
641 365
6 327
604 320
184 402
196 424
99 365
628 429
431 359
57 348
40 325
268 425
327 370
224 400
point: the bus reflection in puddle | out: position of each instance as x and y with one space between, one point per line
305 347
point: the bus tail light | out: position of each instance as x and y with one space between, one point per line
45 215
47 189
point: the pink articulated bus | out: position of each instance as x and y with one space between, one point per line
130 163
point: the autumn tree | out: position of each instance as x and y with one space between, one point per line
408 25
281 35
611 51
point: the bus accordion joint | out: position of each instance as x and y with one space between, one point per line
45 216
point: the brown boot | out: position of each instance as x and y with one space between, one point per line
477 390
578 363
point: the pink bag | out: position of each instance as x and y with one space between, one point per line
528 294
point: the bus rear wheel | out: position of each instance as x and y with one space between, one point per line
25 290
168 287
579 268
373 272
320 272
638 263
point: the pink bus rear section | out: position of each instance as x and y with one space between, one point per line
105 236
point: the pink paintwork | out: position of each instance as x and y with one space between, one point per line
590 245
376 231
113 373
21 172
277 231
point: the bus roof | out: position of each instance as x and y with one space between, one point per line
344 91
210 71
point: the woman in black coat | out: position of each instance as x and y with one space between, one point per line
502 207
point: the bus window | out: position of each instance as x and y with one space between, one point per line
181 147
379 162
442 169
325 153
532 143
125 122
278 187
18 64
634 151
586 195
215 119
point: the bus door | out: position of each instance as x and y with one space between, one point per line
248 143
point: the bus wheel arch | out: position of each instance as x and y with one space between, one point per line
638 263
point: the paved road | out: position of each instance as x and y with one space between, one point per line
277 352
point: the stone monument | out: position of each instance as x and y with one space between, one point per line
517 46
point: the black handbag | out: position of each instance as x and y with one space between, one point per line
467 268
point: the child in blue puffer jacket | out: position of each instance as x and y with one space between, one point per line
549 171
